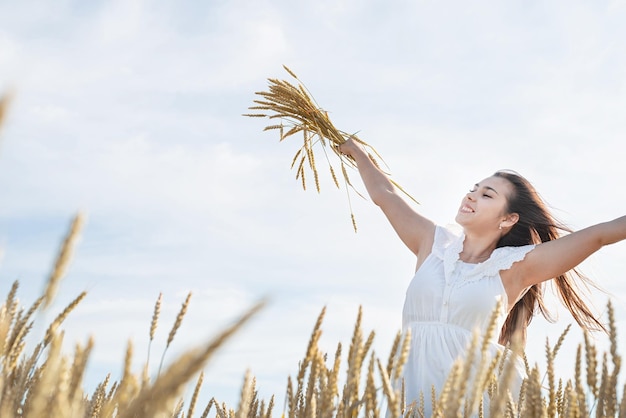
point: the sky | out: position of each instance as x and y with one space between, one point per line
130 111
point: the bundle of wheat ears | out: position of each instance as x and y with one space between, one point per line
298 112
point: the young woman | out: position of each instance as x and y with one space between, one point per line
509 246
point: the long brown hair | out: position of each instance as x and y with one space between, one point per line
536 225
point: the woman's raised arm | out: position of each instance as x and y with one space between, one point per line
552 258
416 231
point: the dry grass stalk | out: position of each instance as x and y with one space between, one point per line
179 319
559 398
21 328
46 383
551 384
592 365
155 316
393 398
369 396
296 400
298 112
333 388
8 313
601 400
207 409
246 396
560 341
153 327
61 317
151 401
125 390
11 303
63 259
403 357
98 399
505 380
194 397
484 368
355 360
617 361
178 410
81 355
577 385
177 323
268 410
394 353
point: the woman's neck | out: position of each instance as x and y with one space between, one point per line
477 249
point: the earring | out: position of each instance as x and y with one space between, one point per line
500 227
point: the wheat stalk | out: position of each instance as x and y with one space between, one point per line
63 259
194 397
298 112
61 317
245 396
168 385
81 355
153 326
177 323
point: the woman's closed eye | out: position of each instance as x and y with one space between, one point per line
484 194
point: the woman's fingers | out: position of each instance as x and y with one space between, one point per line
347 147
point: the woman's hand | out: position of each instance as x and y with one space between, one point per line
350 148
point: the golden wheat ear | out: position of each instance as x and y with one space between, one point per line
299 113
177 323
167 387
63 259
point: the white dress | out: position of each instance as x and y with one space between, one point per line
445 302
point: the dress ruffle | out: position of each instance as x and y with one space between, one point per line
449 246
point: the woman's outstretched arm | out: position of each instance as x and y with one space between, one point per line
416 231
556 257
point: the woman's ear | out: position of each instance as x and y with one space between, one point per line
510 220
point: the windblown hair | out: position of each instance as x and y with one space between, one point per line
536 225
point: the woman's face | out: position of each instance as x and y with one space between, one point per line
485 206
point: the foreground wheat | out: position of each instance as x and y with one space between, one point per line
298 112
42 381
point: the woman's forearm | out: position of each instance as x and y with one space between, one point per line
376 181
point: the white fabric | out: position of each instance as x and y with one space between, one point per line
445 302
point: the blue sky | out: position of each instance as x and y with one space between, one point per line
131 111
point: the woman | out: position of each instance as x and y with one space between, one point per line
509 246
